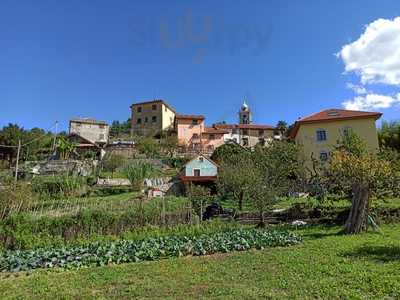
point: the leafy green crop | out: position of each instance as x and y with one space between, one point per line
147 249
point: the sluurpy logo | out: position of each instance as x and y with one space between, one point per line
201 34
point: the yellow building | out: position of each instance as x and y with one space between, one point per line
320 132
152 117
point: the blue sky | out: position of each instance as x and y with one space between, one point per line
63 59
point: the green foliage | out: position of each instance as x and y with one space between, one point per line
148 146
261 175
65 148
169 144
389 135
59 186
327 265
282 127
149 249
175 162
118 128
136 172
200 197
112 162
228 152
352 143
15 198
40 141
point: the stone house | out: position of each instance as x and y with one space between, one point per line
90 129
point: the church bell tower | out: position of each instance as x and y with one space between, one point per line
245 116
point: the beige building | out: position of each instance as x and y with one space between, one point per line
247 135
152 117
90 129
320 132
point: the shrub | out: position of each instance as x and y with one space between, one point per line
137 172
59 186
15 198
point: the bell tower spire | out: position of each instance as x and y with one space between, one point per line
245 116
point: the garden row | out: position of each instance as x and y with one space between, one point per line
124 251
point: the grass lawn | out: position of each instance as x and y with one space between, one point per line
326 265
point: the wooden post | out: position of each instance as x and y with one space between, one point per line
17 162
163 209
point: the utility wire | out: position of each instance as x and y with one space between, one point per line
32 141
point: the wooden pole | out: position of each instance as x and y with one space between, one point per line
17 162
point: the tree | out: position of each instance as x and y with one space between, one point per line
233 179
112 162
199 197
148 146
261 175
389 135
65 148
137 172
275 170
363 172
282 127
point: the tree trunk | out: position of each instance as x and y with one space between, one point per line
241 195
358 216
262 220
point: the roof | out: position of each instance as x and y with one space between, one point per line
85 143
200 155
333 114
190 117
243 126
155 101
212 130
88 121
255 126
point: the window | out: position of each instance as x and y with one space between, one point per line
154 107
196 172
139 109
139 121
212 137
146 119
101 136
261 141
165 109
153 119
245 141
323 156
346 130
195 122
321 135
201 158
195 136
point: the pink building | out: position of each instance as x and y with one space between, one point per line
194 136
189 129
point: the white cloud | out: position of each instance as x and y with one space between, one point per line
375 56
371 102
358 89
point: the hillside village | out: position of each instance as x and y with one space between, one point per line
163 203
